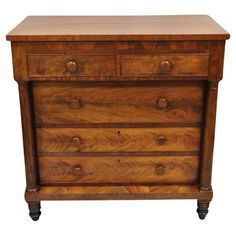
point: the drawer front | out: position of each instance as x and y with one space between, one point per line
71 65
72 140
73 103
185 64
147 169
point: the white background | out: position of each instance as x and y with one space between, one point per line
164 217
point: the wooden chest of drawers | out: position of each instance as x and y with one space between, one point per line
118 107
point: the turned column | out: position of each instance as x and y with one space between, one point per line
208 146
214 76
29 145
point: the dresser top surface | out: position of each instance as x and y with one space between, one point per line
117 28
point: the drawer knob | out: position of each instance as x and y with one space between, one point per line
165 66
161 140
160 170
77 171
75 103
72 66
162 103
76 140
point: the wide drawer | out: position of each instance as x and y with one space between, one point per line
73 102
166 64
71 65
72 140
105 170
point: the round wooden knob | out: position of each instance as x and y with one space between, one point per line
77 171
72 66
77 144
161 140
162 103
75 103
165 66
160 170
76 140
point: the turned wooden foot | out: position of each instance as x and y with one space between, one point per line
34 210
202 209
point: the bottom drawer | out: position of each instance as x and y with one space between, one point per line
124 169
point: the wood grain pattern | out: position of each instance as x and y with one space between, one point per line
117 102
185 64
21 49
118 192
31 168
216 62
56 65
117 140
115 28
118 170
19 60
118 107
208 137
117 47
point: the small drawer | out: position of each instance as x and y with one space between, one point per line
73 103
182 65
71 65
79 140
125 169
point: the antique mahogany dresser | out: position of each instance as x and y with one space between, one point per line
118 107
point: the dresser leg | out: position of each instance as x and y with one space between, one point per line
34 210
202 209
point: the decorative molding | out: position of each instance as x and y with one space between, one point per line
23 86
31 190
205 189
213 85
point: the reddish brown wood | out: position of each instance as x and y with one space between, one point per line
176 65
118 192
216 60
72 66
119 107
100 170
165 66
67 65
28 137
208 137
115 28
56 65
19 60
117 140
162 102
118 103
117 47
21 49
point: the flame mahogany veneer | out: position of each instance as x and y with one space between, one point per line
118 107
